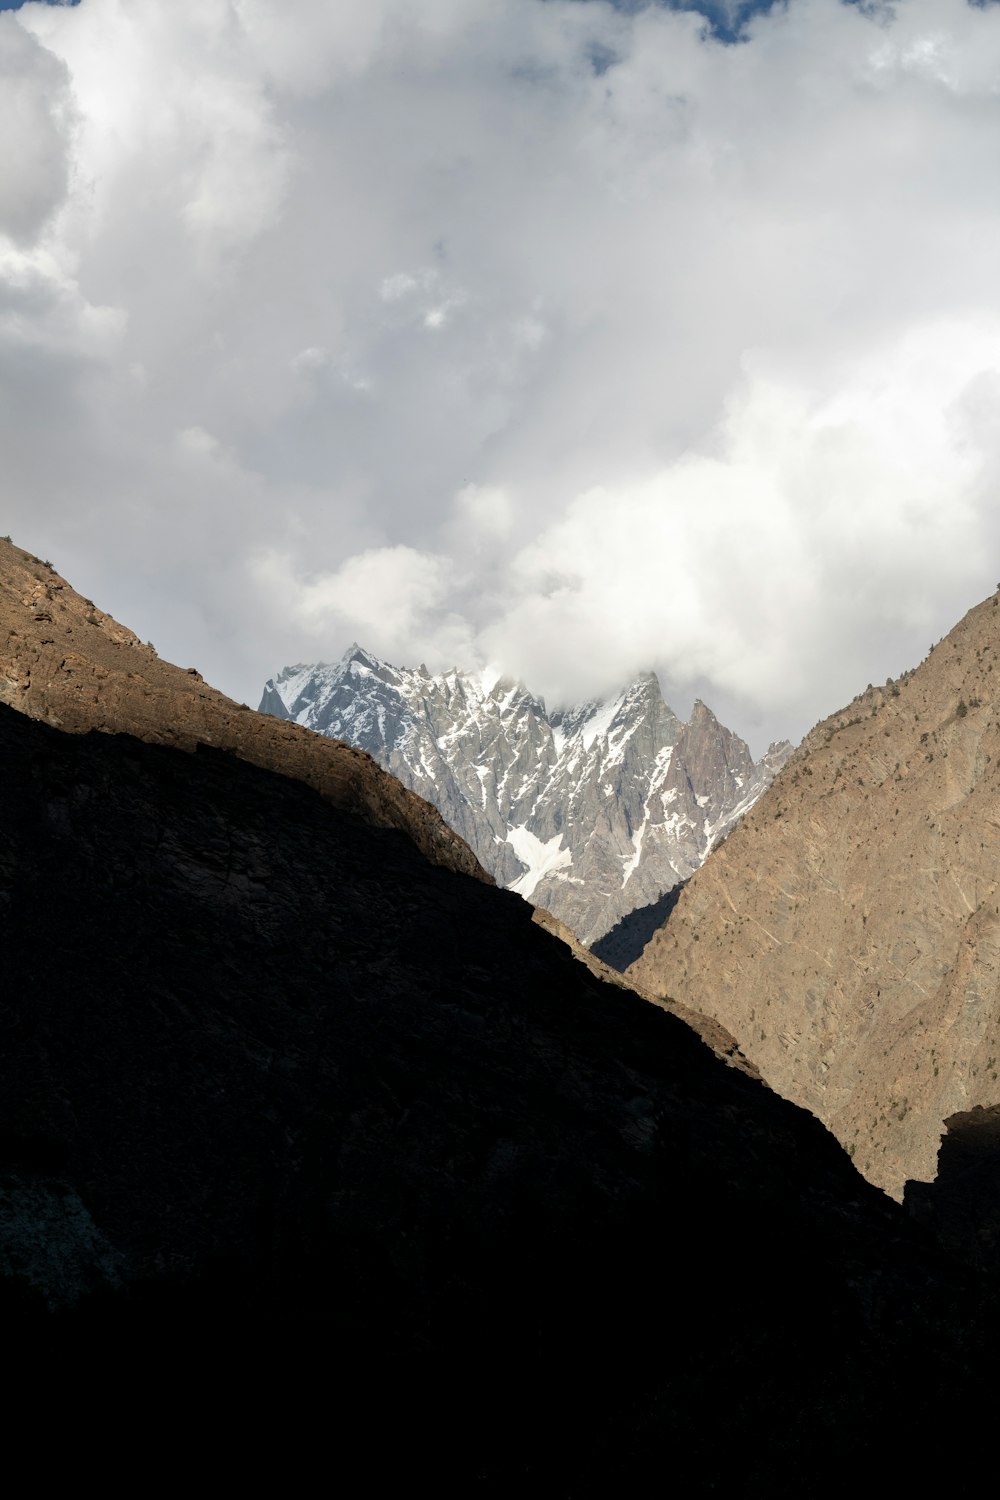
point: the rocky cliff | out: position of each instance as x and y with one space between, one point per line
848 931
588 812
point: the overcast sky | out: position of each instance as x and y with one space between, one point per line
569 337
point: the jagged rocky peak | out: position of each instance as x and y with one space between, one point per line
849 932
588 811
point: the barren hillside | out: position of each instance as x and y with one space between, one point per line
848 932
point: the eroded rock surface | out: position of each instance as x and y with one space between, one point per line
848 931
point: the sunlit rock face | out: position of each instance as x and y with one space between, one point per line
848 934
589 812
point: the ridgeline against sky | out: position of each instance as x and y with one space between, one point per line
574 338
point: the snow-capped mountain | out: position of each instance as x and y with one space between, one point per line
590 812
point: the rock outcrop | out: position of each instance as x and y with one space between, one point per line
848 931
589 812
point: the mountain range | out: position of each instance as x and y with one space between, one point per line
588 812
315 1148
67 662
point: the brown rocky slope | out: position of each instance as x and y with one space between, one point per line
848 931
66 662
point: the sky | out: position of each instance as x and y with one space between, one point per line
571 338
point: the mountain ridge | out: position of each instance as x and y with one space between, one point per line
848 932
587 811
299 1124
287 1110
67 662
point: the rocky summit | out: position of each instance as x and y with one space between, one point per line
588 812
848 932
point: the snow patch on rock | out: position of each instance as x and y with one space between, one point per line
540 858
618 790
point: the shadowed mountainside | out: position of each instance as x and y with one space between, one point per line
624 943
963 1204
848 931
66 662
298 1126
290 1110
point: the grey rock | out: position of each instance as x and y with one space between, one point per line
589 812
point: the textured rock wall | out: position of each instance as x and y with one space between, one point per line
848 932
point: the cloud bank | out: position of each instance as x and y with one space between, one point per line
552 334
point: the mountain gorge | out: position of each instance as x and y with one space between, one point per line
588 812
848 933
299 1116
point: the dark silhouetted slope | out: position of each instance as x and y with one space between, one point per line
626 940
319 1157
65 661
279 1096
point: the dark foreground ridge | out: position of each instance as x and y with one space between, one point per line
293 1119
66 662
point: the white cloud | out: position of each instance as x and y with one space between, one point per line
400 284
311 359
691 358
385 596
35 125
482 516
819 532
